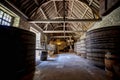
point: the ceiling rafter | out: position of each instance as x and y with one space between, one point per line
64 9
46 25
30 6
50 10
77 10
81 6
71 4
59 27
76 24
73 15
69 27
50 15
36 2
24 3
66 21
43 13
67 17
63 36
80 24
58 31
56 8
17 9
60 8
64 27
45 17
86 9
73 26
94 7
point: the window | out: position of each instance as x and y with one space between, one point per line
5 19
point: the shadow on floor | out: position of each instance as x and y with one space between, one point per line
50 60
29 76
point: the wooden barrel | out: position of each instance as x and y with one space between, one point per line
99 40
112 65
18 50
77 48
83 48
44 55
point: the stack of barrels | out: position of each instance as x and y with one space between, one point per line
18 50
83 48
101 41
77 48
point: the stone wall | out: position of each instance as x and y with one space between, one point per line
24 24
110 20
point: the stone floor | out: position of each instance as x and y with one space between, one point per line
66 67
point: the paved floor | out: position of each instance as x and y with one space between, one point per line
66 67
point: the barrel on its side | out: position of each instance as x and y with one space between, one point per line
77 48
99 40
18 50
112 65
44 55
83 48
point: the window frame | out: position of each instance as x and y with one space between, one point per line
6 19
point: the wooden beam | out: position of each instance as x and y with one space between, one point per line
45 17
56 8
71 7
63 36
62 31
38 28
46 26
62 0
64 28
21 13
64 10
55 28
87 9
75 27
65 0
36 2
66 20
43 13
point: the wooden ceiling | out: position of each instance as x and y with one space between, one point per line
60 17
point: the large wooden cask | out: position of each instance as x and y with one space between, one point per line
18 50
112 65
77 48
83 47
99 41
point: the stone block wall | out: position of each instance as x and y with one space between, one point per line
24 24
110 20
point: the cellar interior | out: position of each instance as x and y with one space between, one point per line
60 39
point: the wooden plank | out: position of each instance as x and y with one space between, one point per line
66 20
62 31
